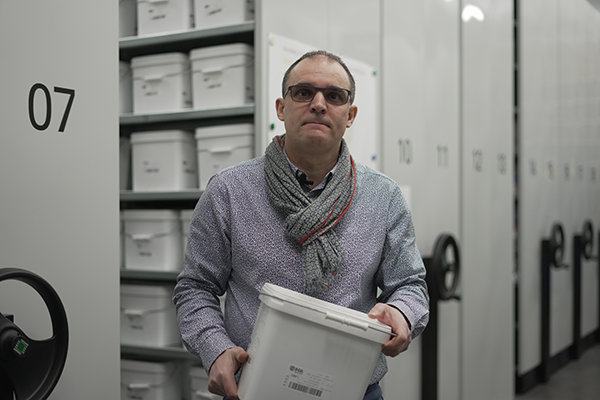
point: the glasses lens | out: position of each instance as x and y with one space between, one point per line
333 95
336 96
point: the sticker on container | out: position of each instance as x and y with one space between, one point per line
213 7
312 383
151 166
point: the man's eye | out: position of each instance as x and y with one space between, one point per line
334 95
303 93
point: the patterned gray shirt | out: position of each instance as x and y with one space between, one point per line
237 242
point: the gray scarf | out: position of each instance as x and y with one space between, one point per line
310 221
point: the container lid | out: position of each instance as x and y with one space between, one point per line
223 50
147 367
159 59
224 130
150 215
147 290
173 135
343 315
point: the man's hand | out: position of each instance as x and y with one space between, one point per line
393 317
221 378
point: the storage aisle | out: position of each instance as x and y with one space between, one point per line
578 380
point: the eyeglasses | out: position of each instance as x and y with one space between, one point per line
305 93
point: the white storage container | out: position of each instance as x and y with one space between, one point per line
152 240
148 316
186 219
161 83
164 161
214 13
124 163
143 380
303 348
222 76
125 88
199 385
127 18
159 16
222 146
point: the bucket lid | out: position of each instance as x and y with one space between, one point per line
150 215
224 130
223 50
344 315
162 136
159 59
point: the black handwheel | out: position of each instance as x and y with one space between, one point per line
33 367
557 244
588 239
446 266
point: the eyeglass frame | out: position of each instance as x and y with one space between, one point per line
321 89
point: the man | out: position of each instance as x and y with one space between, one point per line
306 217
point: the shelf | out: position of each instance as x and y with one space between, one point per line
127 195
135 42
165 353
187 115
149 275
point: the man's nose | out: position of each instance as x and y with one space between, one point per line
318 103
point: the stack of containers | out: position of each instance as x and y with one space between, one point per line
152 240
164 161
151 380
212 14
222 76
222 146
159 16
161 83
148 316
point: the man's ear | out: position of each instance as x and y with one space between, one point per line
351 115
279 106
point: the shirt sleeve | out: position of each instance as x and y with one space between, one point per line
401 275
206 269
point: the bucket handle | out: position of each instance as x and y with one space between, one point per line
147 237
346 321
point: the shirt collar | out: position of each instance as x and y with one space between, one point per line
297 172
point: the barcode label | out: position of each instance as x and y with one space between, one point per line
305 389
309 382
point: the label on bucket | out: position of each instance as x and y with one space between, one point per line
309 382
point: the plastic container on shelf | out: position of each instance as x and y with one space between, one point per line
215 13
222 76
125 88
199 385
164 161
161 83
186 219
161 16
222 146
127 18
145 380
148 316
303 347
152 240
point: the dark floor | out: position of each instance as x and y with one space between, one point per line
578 380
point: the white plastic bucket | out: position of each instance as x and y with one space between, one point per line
302 347
160 16
161 83
164 161
144 380
152 240
148 316
222 146
214 13
222 76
